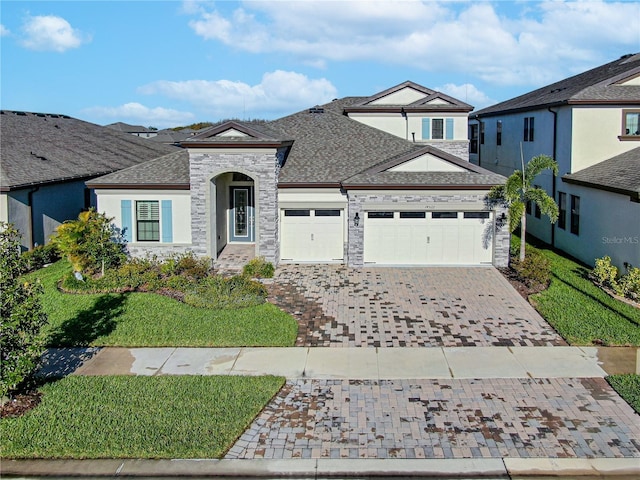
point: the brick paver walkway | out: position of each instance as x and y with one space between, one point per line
581 418
407 307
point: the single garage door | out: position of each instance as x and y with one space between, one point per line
428 238
312 235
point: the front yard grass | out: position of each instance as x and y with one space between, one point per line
153 320
628 387
580 311
137 417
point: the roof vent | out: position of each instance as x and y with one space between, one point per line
316 110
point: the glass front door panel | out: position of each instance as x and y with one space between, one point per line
241 203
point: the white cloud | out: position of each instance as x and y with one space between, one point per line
468 93
4 31
51 33
137 113
279 92
506 43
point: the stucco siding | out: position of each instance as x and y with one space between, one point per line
595 136
608 226
110 203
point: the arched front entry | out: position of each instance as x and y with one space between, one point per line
233 210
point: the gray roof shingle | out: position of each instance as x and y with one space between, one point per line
46 148
168 171
619 174
597 85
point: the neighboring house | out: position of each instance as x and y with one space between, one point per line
45 160
315 186
137 130
589 124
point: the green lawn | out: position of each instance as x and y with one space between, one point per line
628 386
581 312
137 417
152 320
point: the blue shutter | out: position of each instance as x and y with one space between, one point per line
167 222
127 224
449 128
426 129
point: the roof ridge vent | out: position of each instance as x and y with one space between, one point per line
316 109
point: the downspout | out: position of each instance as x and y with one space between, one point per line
553 179
403 113
31 220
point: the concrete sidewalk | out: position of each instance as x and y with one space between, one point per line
338 363
493 468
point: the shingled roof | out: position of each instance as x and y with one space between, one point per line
40 148
598 85
620 174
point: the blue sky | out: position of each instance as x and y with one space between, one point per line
169 63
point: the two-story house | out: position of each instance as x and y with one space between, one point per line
589 124
381 180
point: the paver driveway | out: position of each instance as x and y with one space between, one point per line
407 307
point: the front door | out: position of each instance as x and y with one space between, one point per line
241 215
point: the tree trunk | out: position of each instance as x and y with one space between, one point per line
523 235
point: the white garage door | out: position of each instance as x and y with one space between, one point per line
428 238
312 235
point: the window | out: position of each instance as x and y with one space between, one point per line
380 214
437 129
481 133
148 221
631 123
562 210
476 214
327 213
528 129
575 214
499 132
297 213
528 207
413 215
473 135
444 214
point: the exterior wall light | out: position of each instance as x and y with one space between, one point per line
356 220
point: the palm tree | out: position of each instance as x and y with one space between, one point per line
517 191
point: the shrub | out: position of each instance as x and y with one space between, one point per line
22 316
41 256
91 243
534 270
259 268
630 283
605 273
220 293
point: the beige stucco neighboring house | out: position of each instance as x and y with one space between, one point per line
589 124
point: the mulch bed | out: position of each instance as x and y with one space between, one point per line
20 403
521 287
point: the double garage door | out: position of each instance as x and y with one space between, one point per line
312 235
428 238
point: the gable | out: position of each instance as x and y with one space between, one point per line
404 96
426 163
632 81
232 132
438 101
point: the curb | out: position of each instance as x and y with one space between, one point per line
329 468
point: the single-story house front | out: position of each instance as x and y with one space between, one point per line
315 186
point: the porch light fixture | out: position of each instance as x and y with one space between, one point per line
356 220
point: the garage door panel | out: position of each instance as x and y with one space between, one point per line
437 238
317 237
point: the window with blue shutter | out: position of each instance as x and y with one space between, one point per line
449 128
167 222
426 128
126 215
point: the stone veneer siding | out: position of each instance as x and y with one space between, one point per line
262 168
358 200
160 250
459 148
